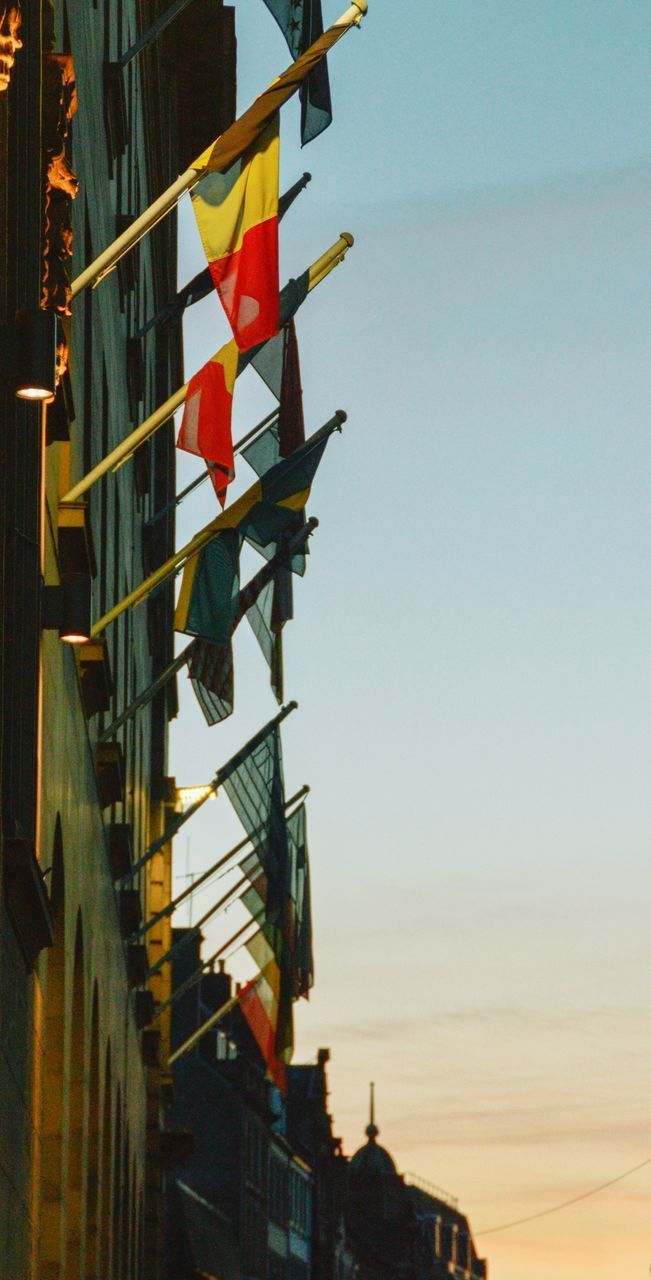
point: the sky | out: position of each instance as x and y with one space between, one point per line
470 651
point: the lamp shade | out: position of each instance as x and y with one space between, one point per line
35 372
76 608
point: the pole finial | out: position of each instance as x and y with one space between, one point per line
372 1129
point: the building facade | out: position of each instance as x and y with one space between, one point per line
399 1226
88 138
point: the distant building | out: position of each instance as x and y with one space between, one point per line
401 1229
266 1193
242 1204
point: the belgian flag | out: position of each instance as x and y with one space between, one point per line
237 216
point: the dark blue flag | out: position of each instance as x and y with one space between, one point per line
301 23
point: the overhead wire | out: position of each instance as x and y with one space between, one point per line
543 1213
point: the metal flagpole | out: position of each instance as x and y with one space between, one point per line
194 484
196 544
210 1022
122 451
159 683
147 694
192 933
154 31
219 779
109 258
203 966
206 875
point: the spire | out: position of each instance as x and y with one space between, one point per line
372 1129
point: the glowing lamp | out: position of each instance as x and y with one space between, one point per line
190 795
76 612
67 609
28 355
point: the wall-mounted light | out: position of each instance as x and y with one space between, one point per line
67 608
190 795
28 354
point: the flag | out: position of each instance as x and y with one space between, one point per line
210 665
258 1002
212 588
208 597
262 454
268 359
279 900
279 982
234 141
202 284
301 23
206 425
206 428
237 216
210 668
303 953
256 790
291 423
267 617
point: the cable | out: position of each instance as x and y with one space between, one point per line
506 1226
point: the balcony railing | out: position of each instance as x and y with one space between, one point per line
413 1180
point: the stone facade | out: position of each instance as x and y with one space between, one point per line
85 145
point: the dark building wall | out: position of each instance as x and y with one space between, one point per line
20 452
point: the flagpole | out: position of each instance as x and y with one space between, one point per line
210 1022
194 484
147 694
219 779
206 875
191 548
198 973
196 928
316 273
109 258
153 32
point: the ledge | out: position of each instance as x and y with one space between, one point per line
120 849
109 763
130 912
95 674
76 549
137 968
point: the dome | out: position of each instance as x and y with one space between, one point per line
372 1160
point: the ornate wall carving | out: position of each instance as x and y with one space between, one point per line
10 20
61 184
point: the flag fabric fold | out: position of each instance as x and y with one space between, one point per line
237 216
243 132
208 598
210 664
202 284
206 427
206 424
258 1002
210 668
301 23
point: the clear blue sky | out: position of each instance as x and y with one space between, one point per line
471 644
